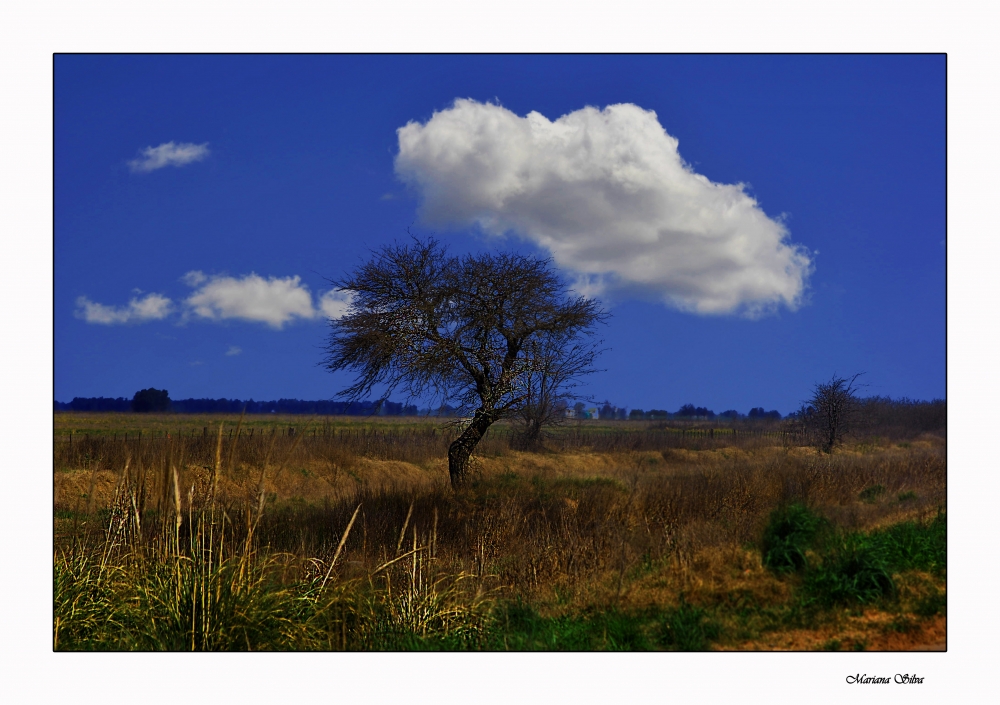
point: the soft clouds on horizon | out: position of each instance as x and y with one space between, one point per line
607 193
168 154
273 301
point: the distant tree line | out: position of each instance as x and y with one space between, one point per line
869 416
95 404
866 416
891 417
235 406
690 411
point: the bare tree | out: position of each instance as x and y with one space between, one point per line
831 410
561 361
471 329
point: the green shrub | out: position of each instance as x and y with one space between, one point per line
852 574
790 531
870 495
913 545
859 567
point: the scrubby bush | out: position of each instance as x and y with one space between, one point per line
790 531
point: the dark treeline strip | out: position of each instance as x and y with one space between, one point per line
236 406
883 416
872 416
95 404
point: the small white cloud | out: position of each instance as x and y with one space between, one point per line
194 278
168 154
274 301
151 307
234 350
196 363
589 286
387 197
608 194
335 303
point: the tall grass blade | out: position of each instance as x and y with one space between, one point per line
343 540
402 532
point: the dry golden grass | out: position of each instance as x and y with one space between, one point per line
566 531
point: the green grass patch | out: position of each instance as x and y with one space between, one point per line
855 567
870 495
912 545
517 626
790 532
849 574
858 568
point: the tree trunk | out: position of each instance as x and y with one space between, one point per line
532 437
461 449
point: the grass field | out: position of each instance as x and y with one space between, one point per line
345 534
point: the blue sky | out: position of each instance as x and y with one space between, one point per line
179 177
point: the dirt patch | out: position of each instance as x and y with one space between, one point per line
873 631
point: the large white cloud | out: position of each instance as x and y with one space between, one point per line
608 194
151 307
168 154
274 301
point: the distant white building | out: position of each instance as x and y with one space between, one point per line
590 413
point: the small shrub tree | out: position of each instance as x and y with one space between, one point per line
831 411
151 400
548 386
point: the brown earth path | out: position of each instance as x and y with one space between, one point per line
939 646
